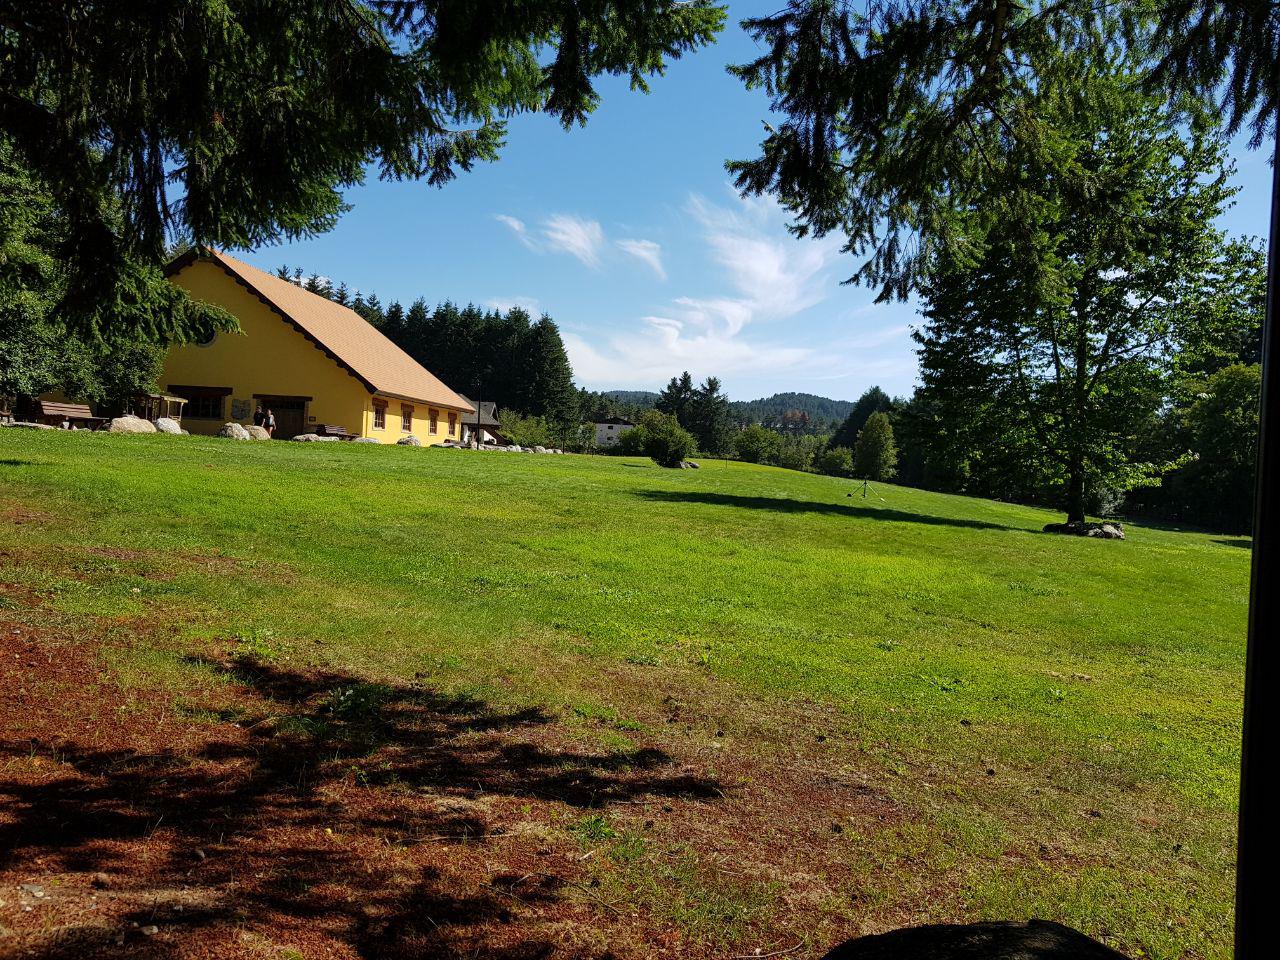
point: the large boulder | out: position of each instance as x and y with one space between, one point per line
129 424
364 440
256 432
1109 530
314 438
168 425
409 441
233 431
24 425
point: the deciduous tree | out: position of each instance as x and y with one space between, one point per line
1057 300
874 400
875 457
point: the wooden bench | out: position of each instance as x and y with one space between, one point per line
56 414
334 430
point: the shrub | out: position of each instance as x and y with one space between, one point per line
524 431
756 444
797 453
835 462
630 443
660 437
581 439
666 442
875 456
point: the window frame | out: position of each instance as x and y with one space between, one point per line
379 414
196 396
433 419
406 418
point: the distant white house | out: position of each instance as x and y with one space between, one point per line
608 431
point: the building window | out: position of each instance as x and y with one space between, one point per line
379 416
406 417
203 403
453 424
435 421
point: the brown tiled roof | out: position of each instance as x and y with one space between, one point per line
342 333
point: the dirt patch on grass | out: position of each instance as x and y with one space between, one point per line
19 514
291 812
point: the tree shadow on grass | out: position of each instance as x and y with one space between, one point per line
787 505
360 812
991 940
1244 544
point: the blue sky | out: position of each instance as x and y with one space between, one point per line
629 234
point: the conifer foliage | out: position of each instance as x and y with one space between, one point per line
240 123
507 358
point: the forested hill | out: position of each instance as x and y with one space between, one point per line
756 411
818 408
638 398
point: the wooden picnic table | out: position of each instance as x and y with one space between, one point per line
334 430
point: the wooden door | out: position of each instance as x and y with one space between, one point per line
290 414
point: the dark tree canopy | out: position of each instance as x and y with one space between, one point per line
39 350
240 123
874 400
887 106
1048 330
875 455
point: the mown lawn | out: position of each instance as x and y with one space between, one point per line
908 707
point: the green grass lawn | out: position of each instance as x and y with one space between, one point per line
1054 720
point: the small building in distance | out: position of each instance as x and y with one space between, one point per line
608 431
316 364
484 423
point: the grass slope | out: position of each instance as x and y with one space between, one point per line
1052 723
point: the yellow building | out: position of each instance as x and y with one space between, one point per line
313 362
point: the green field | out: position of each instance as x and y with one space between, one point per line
916 707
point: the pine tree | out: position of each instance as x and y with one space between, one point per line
393 322
708 418
341 295
888 109
875 456
372 310
676 398
40 350
413 90
549 391
872 401
317 284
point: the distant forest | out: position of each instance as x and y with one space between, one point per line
792 412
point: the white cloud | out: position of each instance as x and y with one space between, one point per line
758 278
516 225
769 276
503 304
647 252
777 274
575 236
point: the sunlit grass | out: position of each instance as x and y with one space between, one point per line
1100 682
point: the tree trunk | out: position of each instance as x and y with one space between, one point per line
1075 490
